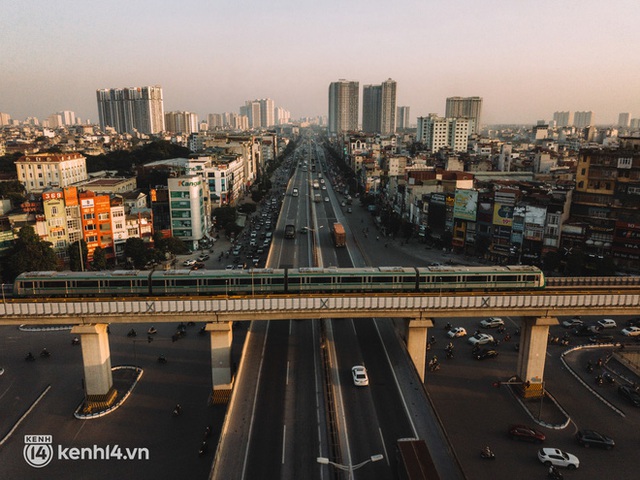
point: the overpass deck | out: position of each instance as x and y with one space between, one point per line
284 307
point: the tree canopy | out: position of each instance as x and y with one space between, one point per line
29 254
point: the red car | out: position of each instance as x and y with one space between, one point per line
528 434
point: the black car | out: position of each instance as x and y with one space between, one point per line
486 353
588 438
631 394
587 331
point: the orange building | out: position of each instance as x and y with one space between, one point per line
95 215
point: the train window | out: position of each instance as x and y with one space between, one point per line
478 278
384 280
508 278
451 279
530 278
216 282
277 281
322 280
88 284
157 283
59 284
26 284
185 282
119 283
244 281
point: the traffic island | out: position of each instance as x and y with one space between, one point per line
539 404
125 379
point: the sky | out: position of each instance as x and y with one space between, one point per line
526 59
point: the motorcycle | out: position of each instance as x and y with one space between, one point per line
152 331
599 380
449 354
203 448
29 357
177 411
589 367
487 454
554 473
207 432
45 353
162 359
131 333
75 341
609 378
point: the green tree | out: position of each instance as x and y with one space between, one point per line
136 250
29 254
99 259
224 215
76 263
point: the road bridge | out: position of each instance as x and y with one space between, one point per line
538 308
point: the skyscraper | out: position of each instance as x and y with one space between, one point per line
563 119
181 122
583 119
403 117
388 107
465 107
379 108
343 106
371 108
131 109
623 120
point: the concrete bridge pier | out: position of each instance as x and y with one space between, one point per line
96 358
534 336
417 343
221 337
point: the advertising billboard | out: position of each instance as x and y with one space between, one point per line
465 204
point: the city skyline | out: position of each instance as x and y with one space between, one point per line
526 60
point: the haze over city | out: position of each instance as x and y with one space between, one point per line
526 59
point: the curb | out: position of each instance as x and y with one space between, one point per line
117 405
572 371
26 328
553 426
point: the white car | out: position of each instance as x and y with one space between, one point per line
457 332
492 322
189 263
607 323
572 323
558 458
480 339
360 378
631 331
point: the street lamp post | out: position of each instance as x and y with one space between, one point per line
349 468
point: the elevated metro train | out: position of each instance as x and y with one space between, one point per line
267 281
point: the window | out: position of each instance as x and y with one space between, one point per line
103 216
88 216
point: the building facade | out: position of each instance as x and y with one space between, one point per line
185 123
466 107
343 106
403 118
186 207
438 132
42 170
130 110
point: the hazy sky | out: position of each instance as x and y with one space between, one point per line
527 59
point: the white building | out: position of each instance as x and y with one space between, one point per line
439 132
583 119
186 208
42 170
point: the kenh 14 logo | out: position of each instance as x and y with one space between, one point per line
38 450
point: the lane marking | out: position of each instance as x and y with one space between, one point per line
284 438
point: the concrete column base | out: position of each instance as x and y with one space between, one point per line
100 402
417 344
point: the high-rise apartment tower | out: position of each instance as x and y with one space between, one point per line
343 106
465 107
131 109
